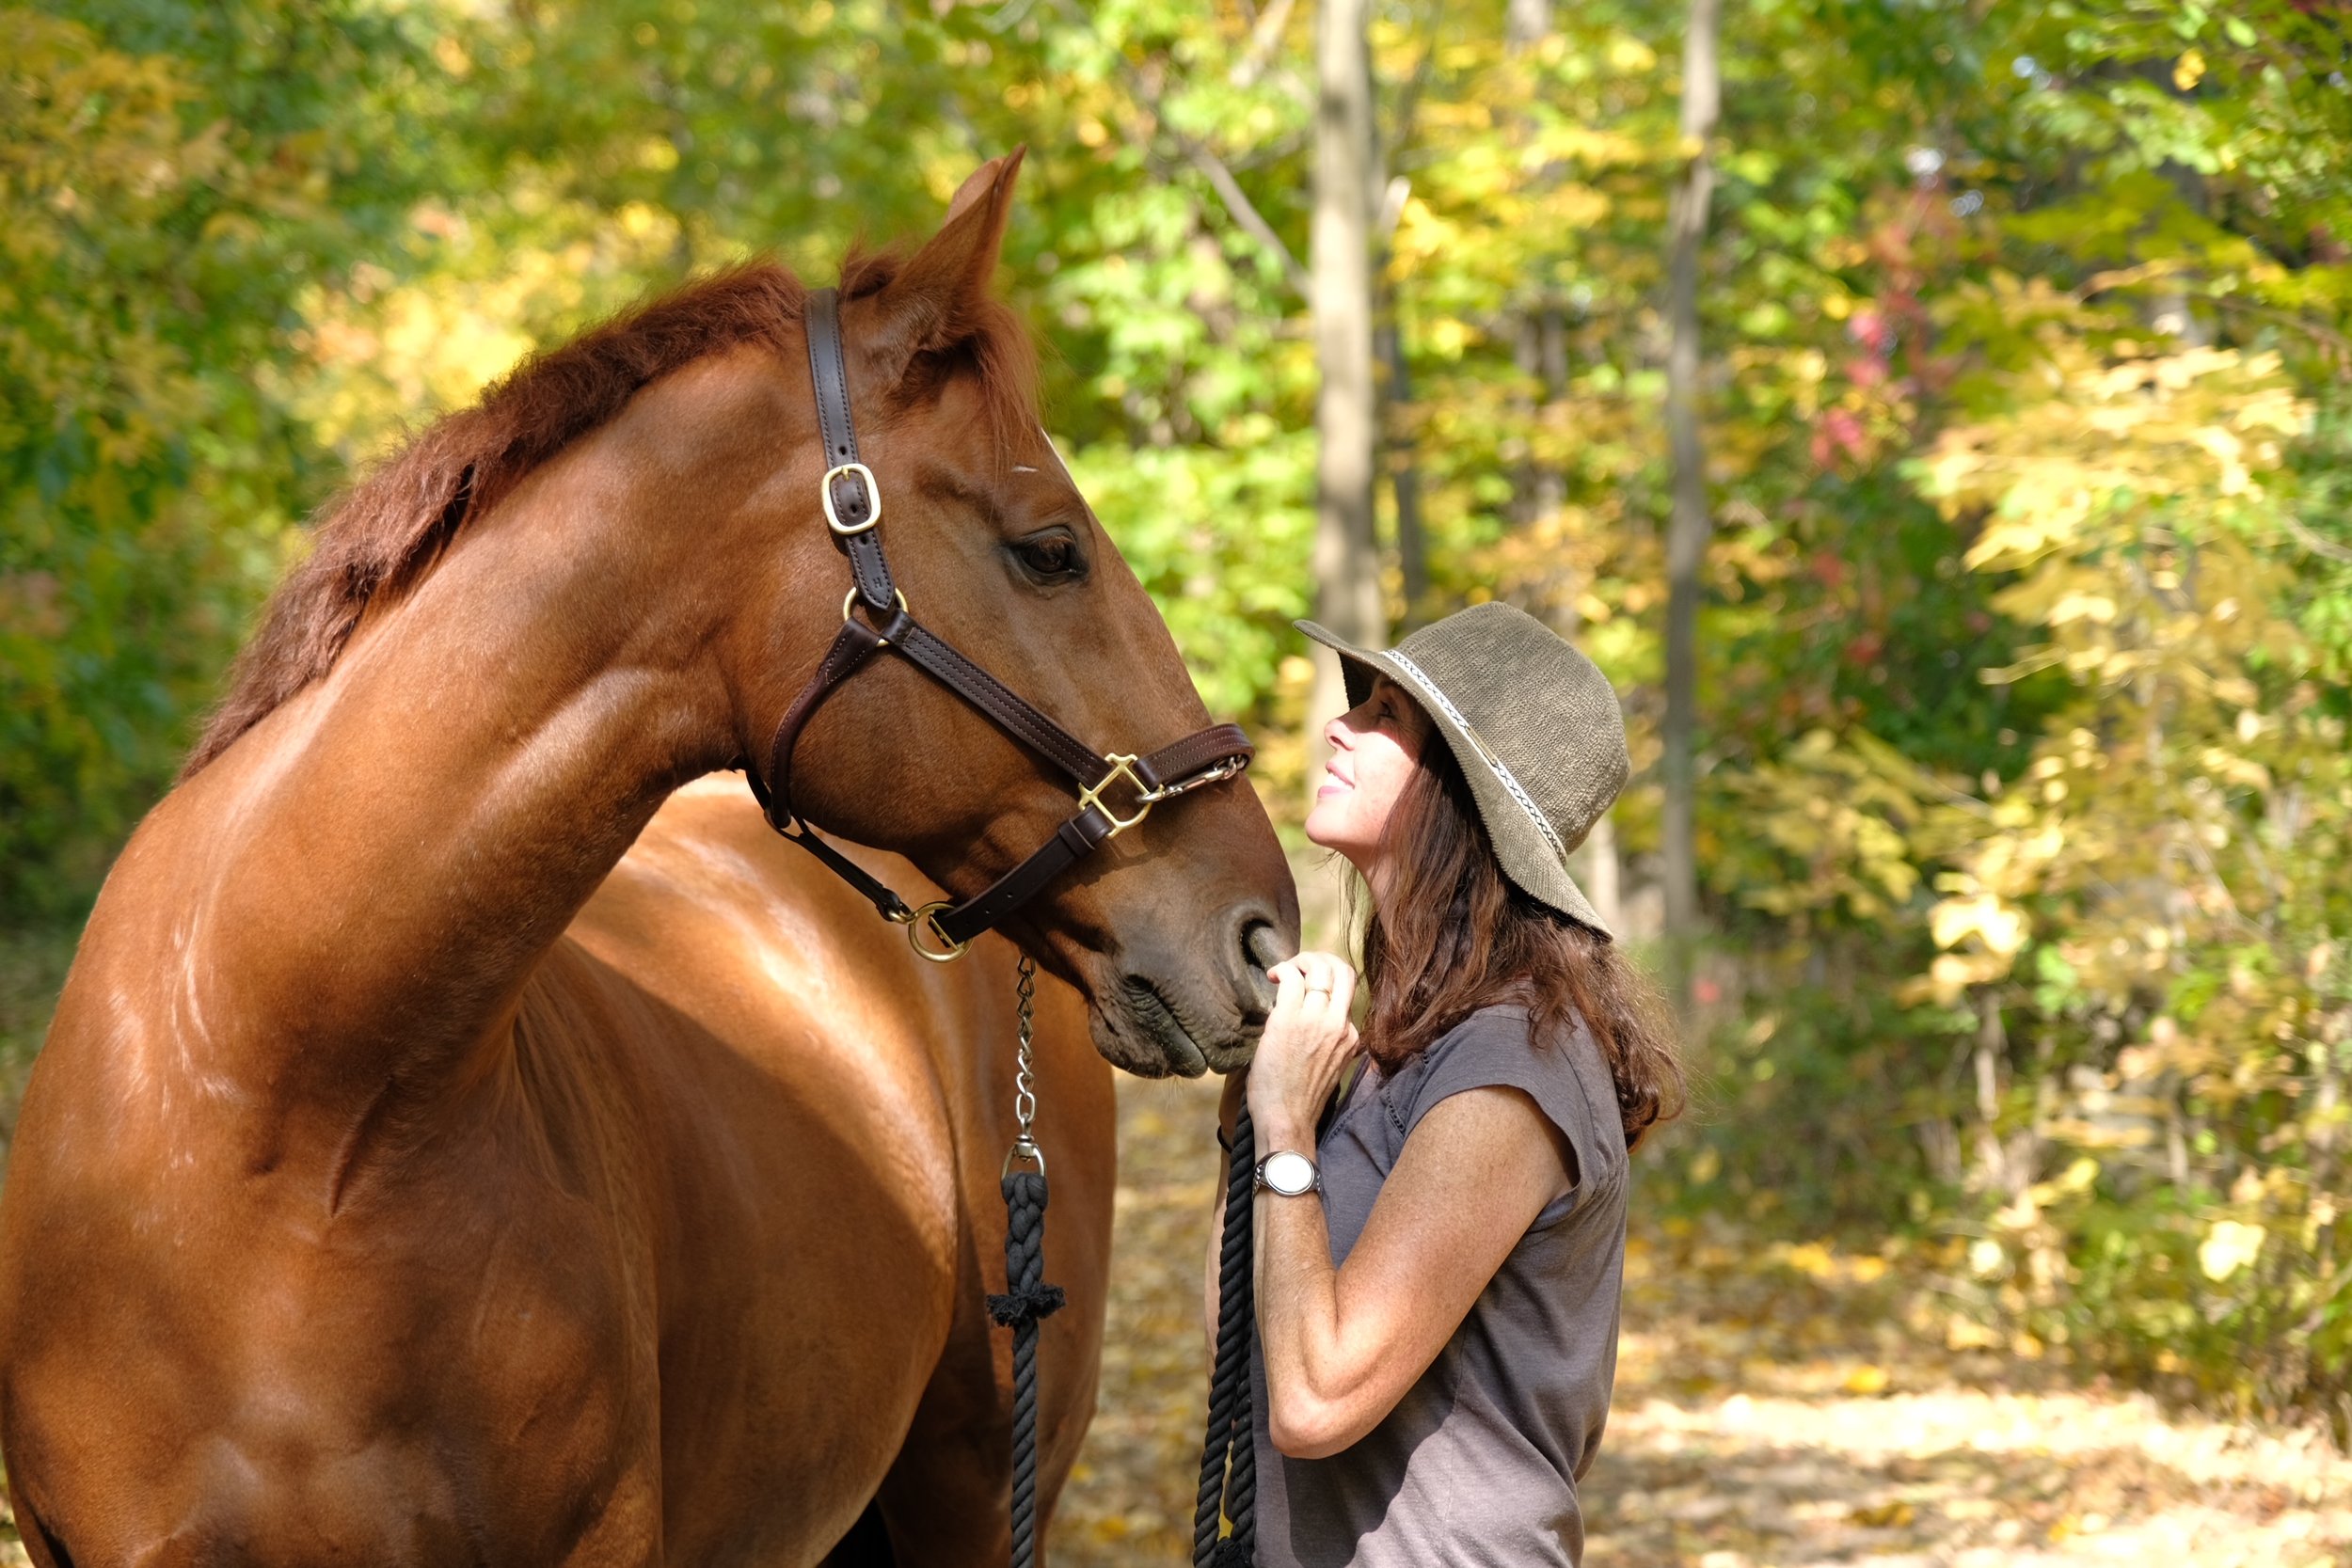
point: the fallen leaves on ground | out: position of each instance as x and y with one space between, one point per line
1777 1404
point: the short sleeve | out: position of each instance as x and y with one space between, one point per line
1496 1047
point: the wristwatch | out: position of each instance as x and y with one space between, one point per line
1289 1174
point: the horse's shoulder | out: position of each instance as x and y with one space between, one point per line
750 986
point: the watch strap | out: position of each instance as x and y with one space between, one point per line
1314 1174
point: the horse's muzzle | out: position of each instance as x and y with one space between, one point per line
1200 1010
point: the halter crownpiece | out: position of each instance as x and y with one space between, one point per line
1116 790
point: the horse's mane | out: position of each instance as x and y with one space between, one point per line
381 537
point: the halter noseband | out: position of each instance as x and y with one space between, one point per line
852 506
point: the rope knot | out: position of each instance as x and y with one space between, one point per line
1026 1304
1231 1552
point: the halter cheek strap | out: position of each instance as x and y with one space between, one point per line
1116 790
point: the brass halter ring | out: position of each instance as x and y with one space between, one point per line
849 605
923 919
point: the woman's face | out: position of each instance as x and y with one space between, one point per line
1376 746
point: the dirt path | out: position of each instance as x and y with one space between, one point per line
1772 1408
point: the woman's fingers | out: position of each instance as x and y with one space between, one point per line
1332 991
1322 972
1291 1022
1307 1044
1342 988
1307 1031
1290 989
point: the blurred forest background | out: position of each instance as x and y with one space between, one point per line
1942 442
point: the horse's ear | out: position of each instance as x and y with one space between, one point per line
933 303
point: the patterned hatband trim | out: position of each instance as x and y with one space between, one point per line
1445 705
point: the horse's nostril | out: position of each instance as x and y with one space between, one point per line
1262 947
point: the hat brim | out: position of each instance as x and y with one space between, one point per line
1519 845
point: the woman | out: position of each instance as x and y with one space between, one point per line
1438 1255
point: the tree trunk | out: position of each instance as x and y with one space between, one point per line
1687 533
1551 364
1400 445
1539 334
1347 563
1603 881
1526 21
1404 464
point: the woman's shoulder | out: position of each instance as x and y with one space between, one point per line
1499 1045
1497 1031
1496 1024
1506 1032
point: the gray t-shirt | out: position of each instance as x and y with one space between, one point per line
1478 1462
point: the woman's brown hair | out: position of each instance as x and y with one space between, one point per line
1450 935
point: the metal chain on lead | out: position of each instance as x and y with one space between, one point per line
1028 1298
1025 1077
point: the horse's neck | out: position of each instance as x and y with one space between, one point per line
380 864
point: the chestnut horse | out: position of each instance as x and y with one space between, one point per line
402 1181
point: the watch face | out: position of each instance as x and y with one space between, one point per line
1290 1174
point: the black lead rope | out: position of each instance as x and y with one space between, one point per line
1229 1461
1228 1469
1027 1300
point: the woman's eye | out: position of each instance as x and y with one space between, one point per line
1049 558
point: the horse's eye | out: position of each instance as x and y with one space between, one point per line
1050 558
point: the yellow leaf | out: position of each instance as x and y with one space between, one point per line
2228 1246
2189 70
2001 928
1813 1258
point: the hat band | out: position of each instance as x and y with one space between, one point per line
1478 744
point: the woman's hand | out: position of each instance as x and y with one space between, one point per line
1307 1047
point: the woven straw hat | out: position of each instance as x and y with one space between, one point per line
1533 724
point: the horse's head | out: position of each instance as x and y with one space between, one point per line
1165 928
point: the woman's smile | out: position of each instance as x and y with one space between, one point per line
1379 741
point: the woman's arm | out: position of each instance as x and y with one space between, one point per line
1343 1345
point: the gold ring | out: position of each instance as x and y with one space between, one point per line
851 602
926 918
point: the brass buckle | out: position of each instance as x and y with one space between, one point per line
926 918
1092 794
873 495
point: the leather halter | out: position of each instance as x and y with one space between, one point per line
873 618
